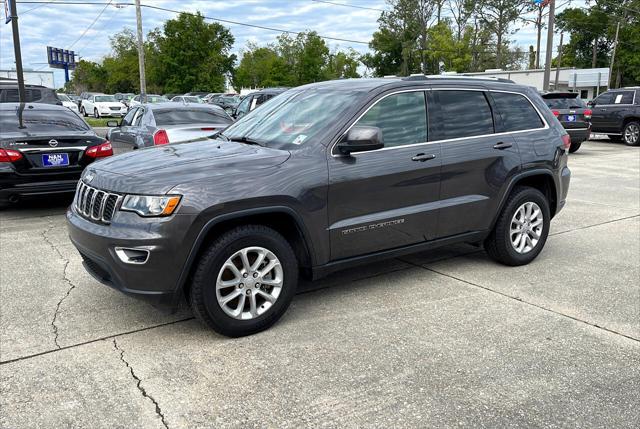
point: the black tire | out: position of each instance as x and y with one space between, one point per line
202 296
83 112
631 133
574 147
498 245
96 114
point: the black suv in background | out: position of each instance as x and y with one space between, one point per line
323 177
573 114
33 94
255 100
617 114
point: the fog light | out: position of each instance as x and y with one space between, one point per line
134 256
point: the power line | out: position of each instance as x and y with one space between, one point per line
90 25
350 5
227 21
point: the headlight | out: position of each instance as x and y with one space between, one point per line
148 206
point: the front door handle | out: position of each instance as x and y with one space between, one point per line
502 145
422 157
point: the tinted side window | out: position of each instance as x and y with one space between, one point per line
128 119
604 98
624 97
464 114
401 117
516 111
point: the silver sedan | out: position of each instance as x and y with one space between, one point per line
150 125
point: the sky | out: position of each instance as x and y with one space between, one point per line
86 28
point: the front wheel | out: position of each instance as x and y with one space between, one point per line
522 228
245 281
96 114
631 133
83 112
574 147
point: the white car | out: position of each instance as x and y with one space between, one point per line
100 105
68 102
150 99
187 99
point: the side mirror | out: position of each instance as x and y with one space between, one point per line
113 124
591 103
361 139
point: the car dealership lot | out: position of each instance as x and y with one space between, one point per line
436 339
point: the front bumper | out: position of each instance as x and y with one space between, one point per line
157 280
113 113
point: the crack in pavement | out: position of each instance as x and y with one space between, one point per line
72 286
139 384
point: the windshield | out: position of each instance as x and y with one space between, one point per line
156 99
293 117
64 97
565 103
41 121
105 98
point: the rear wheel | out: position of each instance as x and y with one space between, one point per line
631 133
574 147
245 281
522 228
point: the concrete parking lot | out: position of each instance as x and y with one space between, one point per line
440 339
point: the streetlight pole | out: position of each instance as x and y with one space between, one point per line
549 53
613 58
143 81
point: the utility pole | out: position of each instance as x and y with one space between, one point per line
549 56
613 57
16 50
555 85
143 81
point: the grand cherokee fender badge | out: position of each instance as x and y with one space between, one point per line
89 176
372 226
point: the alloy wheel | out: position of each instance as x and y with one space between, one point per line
249 283
526 227
632 134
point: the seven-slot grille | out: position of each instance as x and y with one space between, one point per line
95 204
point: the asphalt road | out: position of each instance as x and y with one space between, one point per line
440 339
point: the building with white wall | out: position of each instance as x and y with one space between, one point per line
588 82
31 77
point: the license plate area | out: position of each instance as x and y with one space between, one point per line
571 118
55 159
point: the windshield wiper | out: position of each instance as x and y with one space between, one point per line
246 140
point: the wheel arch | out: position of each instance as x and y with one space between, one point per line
282 219
540 179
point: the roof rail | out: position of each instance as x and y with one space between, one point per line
460 76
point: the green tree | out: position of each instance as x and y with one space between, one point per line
89 76
342 65
261 67
592 34
192 55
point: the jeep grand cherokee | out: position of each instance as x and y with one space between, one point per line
324 176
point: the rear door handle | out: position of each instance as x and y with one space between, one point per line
422 157
502 145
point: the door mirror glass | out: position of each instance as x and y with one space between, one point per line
361 139
113 124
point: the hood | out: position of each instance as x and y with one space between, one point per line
109 104
158 169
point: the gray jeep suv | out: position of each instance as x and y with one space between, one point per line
323 177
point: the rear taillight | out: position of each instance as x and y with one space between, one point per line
10 155
207 129
566 141
587 114
555 113
102 150
160 137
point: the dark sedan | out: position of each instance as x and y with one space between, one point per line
46 153
573 114
163 123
